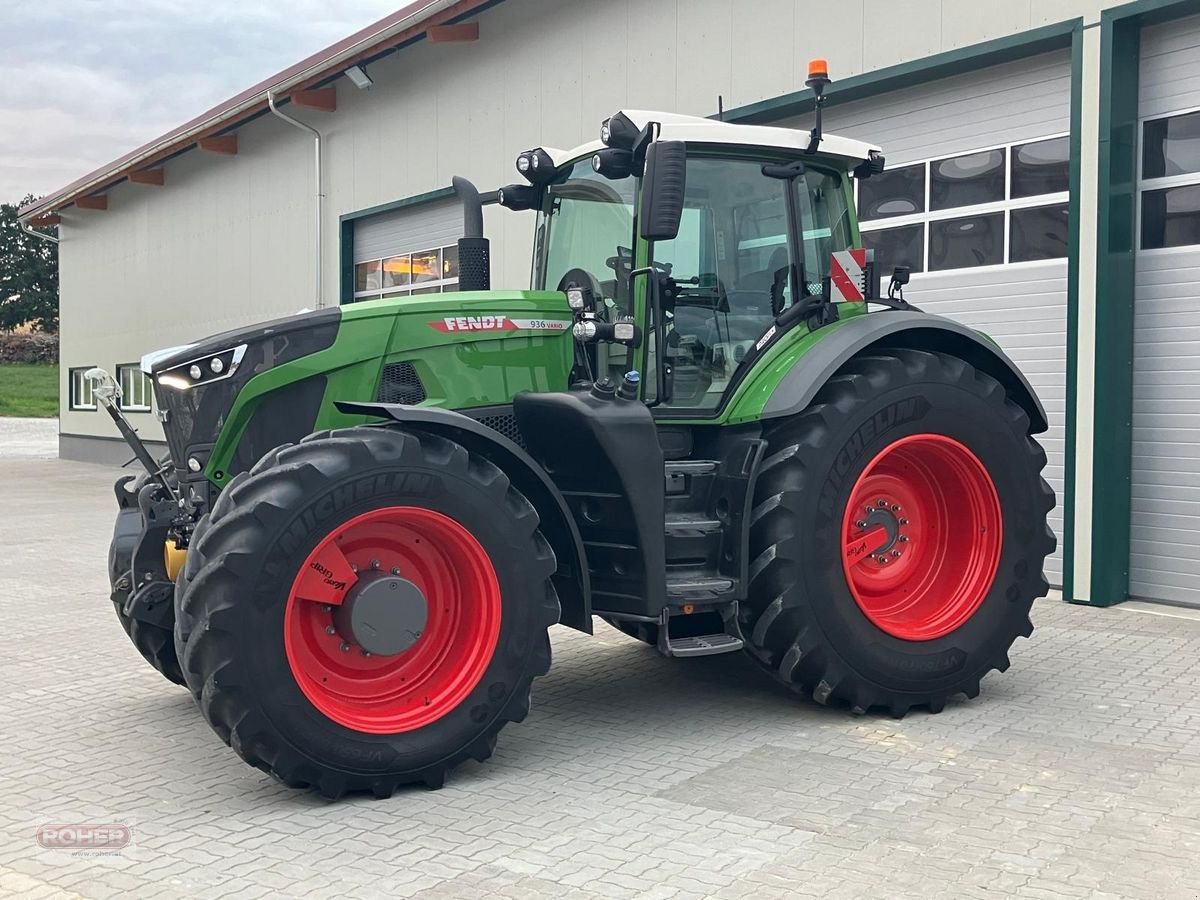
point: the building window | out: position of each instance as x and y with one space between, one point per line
80 389
1171 146
1042 167
900 192
903 246
428 271
1039 232
967 180
967 242
136 392
989 207
1169 203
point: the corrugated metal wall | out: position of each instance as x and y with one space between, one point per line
1022 306
404 230
1165 527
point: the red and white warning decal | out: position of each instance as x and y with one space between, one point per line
497 323
846 276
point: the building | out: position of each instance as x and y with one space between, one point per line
1043 184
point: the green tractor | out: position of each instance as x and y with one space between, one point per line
705 425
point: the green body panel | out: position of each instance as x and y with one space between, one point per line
751 394
481 358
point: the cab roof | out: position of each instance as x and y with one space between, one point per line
698 130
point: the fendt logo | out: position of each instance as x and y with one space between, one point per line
107 836
475 323
498 323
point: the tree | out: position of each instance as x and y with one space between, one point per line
28 274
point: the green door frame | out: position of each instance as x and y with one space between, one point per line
1116 250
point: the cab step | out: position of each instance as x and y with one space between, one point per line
704 645
696 588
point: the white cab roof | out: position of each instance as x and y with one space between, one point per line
697 130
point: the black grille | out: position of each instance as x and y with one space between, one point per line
400 384
506 424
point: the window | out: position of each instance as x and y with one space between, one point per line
903 246
136 391
429 271
1039 232
1171 217
732 265
966 242
1170 187
1043 167
900 192
988 207
80 389
1171 146
967 180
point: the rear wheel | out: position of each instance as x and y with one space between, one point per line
368 608
898 535
153 642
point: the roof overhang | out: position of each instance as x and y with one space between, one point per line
404 26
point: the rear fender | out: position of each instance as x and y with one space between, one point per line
901 329
571 581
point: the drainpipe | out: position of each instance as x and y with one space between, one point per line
37 234
320 194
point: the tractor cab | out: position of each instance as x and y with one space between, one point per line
684 243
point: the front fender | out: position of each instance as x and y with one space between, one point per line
899 328
571 581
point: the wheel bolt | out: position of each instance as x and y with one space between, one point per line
895 507
366 653
353 567
882 560
896 554
345 647
904 521
329 629
327 608
374 564
861 523
903 539
881 503
395 570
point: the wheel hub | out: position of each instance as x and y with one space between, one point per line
382 614
921 537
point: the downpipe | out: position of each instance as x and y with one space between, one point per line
37 234
316 135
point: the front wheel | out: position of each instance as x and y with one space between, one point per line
369 609
898 535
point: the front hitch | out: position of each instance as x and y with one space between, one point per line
106 390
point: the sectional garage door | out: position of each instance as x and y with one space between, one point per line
407 251
975 203
1165 527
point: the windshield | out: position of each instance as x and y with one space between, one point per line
586 224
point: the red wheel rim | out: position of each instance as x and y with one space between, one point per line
411 689
921 537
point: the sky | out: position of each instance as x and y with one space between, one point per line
83 82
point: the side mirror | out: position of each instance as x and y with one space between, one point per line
662 191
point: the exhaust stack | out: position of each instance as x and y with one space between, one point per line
474 252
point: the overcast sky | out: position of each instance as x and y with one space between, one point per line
84 81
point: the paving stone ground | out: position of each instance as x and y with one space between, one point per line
1076 774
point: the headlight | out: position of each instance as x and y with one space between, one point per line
205 370
536 166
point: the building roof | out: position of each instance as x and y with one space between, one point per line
404 26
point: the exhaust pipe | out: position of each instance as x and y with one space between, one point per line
474 253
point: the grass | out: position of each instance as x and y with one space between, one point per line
28 389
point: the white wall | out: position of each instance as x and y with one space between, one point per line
228 241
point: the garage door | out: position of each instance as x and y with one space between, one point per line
975 203
407 251
1165 527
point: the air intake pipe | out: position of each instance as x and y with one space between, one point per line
474 254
